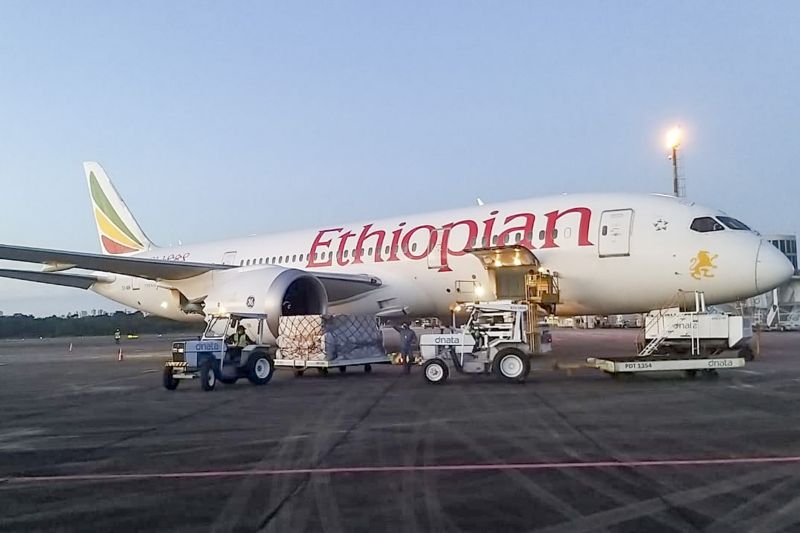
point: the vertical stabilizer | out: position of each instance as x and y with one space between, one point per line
118 231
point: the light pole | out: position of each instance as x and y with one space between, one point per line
673 142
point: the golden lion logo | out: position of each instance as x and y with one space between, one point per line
701 265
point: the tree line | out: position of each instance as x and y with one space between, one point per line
26 326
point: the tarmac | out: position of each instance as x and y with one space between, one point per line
89 443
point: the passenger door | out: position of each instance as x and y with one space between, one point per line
615 233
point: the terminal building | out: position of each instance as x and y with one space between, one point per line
780 308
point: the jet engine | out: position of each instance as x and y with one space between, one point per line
273 290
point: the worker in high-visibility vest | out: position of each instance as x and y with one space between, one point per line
236 342
117 336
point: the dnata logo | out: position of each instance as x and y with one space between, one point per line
702 264
447 340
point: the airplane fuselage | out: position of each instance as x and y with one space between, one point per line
614 253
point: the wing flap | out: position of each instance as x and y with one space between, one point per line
154 269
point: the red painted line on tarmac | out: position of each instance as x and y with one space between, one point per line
402 469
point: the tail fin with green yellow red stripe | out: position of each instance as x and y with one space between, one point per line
118 231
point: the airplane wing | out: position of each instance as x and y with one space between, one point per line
79 281
338 286
155 269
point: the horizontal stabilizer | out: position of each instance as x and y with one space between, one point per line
155 269
79 281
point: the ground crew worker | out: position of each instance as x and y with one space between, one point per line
117 336
237 341
407 340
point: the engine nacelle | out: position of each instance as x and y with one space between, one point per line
273 290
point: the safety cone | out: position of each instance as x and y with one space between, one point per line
120 356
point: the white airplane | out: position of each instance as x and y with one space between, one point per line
613 254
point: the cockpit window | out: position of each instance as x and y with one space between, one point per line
706 224
732 223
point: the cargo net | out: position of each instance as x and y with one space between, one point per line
329 337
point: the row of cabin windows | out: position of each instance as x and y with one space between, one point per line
322 256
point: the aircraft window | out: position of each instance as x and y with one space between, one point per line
414 247
555 233
541 235
345 254
330 255
241 262
530 235
567 232
370 252
494 240
604 231
386 251
301 257
732 223
279 259
273 259
706 224
247 262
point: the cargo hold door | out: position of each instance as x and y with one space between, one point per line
614 239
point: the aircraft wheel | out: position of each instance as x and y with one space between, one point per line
208 378
512 364
259 368
435 371
170 383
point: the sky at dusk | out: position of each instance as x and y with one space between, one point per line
222 119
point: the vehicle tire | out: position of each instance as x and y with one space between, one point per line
322 371
747 353
259 368
342 369
367 369
228 381
299 373
435 371
512 364
208 378
170 383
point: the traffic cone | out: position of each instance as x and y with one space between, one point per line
120 356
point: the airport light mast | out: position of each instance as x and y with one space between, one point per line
673 142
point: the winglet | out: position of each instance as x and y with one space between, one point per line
117 229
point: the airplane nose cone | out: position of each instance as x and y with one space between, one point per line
772 268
